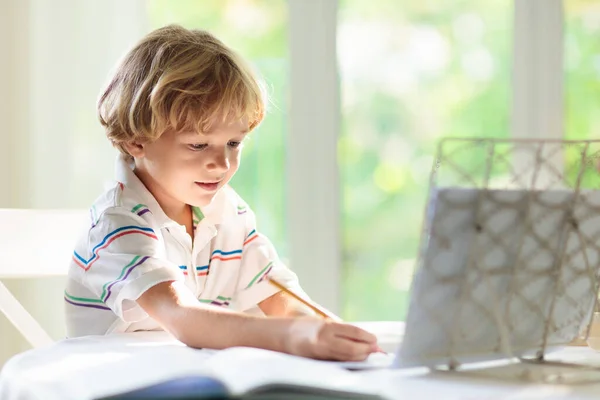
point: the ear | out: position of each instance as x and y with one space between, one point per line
136 149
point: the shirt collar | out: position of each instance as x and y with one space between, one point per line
214 213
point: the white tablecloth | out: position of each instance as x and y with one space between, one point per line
94 366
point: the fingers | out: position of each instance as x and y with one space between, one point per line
352 332
347 350
321 339
344 342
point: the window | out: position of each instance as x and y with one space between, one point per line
582 69
411 72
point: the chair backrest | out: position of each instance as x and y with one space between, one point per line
36 243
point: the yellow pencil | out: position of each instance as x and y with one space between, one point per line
316 308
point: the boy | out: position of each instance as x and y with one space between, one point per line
170 245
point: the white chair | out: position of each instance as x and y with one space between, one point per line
33 244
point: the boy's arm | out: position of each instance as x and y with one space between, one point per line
173 306
283 305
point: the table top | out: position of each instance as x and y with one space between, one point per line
85 367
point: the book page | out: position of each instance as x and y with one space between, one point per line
389 333
374 361
244 370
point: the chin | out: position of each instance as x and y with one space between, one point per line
202 202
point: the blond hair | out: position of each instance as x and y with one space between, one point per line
180 79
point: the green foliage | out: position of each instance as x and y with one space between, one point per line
412 72
456 55
582 70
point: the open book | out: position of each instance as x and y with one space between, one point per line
260 374
145 363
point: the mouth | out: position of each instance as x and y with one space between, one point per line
209 186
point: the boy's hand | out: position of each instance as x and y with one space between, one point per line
328 340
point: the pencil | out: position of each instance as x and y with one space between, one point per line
317 309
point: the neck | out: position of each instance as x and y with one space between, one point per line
173 208
182 214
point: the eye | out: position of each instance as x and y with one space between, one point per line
234 144
198 146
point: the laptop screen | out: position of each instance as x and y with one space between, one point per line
502 273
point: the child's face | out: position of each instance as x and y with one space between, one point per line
190 168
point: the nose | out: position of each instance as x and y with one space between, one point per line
218 161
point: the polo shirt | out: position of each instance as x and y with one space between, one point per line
132 245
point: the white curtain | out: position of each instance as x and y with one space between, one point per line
55 58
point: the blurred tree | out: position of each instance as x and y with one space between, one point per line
412 72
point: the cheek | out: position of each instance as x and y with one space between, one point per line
163 156
234 160
156 165
172 167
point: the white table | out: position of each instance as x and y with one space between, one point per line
77 368
422 384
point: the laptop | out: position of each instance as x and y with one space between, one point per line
501 273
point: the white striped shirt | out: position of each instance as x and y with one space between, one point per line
131 245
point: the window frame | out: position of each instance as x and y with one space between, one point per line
312 192
537 111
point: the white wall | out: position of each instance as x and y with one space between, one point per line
56 56
14 39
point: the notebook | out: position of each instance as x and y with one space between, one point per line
259 374
140 363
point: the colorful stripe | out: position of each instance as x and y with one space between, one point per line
202 271
79 259
134 209
86 305
121 185
184 269
85 302
265 274
242 210
221 258
260 275
219 301
108 239
251 236
124 274
198 213
226 255
140 209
